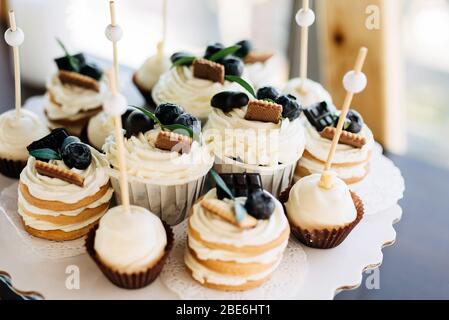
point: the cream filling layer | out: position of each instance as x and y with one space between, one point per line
203 274
213 229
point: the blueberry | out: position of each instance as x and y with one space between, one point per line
213 48
290 107
68 140
52 141
260 205
268 93
356 122
189 121
246 48
228 100
63 63
137 122
126 115
178 55
77 155
168 112
233 66
92 70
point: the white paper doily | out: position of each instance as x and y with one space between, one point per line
44 248
284 284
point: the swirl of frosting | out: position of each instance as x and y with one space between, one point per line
179 86
213 229
254 142
99 128
319 146
53 189
147 163
313 92
72 99
273 72
311 207
17 133
151 70
130 242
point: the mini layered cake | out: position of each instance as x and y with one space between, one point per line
351 160
64 189
166 159
74 94
193 81
261 135
237 234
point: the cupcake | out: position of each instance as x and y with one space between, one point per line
17 131
64 188
130 248
311 93
352 158
263 68
319 217
263 135
74 94
149 73
166 161
193 81
237 234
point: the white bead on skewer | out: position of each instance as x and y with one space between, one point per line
114 33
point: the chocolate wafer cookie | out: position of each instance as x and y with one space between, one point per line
264 111
53 171
77 79
256 56
209 70
346 137
225 210
171 141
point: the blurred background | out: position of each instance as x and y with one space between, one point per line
406 103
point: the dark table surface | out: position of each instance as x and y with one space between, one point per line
416 267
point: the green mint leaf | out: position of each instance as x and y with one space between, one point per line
347 124
179 128
243 83
183 61
45 154
74 63
149 114
240 211
224 52
219 181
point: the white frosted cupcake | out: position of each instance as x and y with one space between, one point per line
244 140
166 179
273 71
312 93
17 131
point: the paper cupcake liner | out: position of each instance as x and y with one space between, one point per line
130 280
273 180
326 238
145 93
11 168
170 202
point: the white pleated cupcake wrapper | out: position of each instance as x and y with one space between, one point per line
171 203
274 181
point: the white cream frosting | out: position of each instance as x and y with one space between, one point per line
178 85
230 135
151 70
72 99
99 128
149 164
313 93
203 274
314 208
130 242
53 189
17 133
319 147
214 229
273 72
343 172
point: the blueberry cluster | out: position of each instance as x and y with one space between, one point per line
135 121
59 145
322 115
232 63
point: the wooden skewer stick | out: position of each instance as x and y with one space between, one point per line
124 190
114 43
325 179
16 57
304 50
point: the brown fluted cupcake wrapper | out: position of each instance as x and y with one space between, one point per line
145 93
12 168
134 280
326 238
